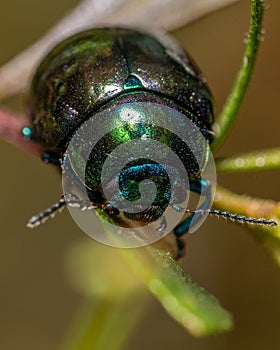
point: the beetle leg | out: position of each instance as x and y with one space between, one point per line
51 158
203 188
180 248
163 225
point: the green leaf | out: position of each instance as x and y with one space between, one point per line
110 274
183 299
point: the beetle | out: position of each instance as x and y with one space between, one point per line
98 69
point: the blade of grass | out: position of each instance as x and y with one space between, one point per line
233 103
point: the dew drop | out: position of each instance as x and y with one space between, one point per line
260 161
239 162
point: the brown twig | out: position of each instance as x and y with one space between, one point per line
153 15
11 125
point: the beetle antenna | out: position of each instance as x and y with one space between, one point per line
73 202
36 220
226 215
86 205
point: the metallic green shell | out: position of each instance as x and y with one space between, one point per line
89 69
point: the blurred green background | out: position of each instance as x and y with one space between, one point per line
37 302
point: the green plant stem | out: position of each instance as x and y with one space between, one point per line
105 324
232 105
246 205
269 237
253 161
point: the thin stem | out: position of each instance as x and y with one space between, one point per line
170 14
233 103
105 324
269 237
11 125
115 297
247 205
253 161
